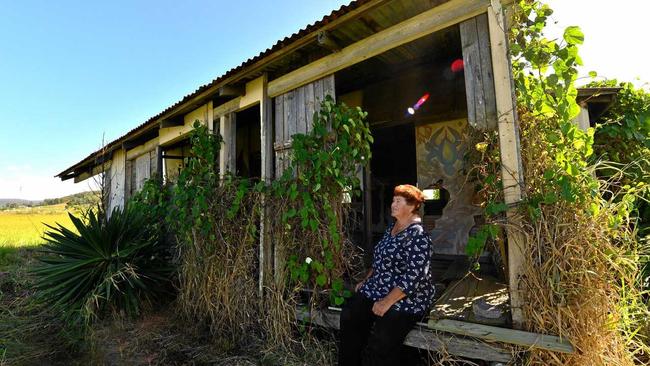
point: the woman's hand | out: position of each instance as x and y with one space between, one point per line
381 307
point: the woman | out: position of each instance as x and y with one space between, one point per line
395 294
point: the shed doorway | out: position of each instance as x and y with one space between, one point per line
248 161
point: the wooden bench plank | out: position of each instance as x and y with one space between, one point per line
422 337
505 335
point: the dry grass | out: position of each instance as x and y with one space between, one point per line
219 282
218 271
579 276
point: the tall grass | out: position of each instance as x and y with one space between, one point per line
581 272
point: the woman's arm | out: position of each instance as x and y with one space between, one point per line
381 307
358 286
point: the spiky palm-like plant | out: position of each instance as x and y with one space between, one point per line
116 265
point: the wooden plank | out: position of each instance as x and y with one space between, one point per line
142 169
329 86
479 82
227 152
289 116
487 76
511 169
279 119
228 107
318 93
129 182
437 18
299 103
153 163
309 106
479 95
504 335
421 337
469 40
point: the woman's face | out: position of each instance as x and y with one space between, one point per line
400 208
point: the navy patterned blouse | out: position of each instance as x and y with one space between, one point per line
403 261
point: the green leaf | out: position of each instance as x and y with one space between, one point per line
494 208
573 35
321 280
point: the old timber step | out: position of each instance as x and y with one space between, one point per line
457 337
504 335
424 338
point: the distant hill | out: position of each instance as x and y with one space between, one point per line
82 198
17 201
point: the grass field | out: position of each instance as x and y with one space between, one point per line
25 226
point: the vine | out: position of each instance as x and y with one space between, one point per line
581 259
322 169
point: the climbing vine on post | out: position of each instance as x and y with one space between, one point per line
544 71
581 260
322 170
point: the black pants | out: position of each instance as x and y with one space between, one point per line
367 339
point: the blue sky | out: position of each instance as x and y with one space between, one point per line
74 71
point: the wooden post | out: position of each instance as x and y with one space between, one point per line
511 169
266 135
159 163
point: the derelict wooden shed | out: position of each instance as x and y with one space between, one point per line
381 55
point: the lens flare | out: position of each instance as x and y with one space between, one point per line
416 106
457 65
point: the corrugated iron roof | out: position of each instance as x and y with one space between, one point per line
344 9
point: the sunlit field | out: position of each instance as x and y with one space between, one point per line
25 226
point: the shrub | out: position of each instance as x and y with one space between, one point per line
116 265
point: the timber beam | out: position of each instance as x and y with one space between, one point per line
430 21
231 91
172 122
325 40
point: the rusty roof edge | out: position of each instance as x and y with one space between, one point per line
302 37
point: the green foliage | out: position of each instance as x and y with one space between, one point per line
196 182
323 168
545 71
623 138
215 222
623 134
114 265
476 242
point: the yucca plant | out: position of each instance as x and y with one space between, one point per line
113 265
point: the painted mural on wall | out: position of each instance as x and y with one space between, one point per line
440 149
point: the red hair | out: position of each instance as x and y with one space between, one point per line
411 194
